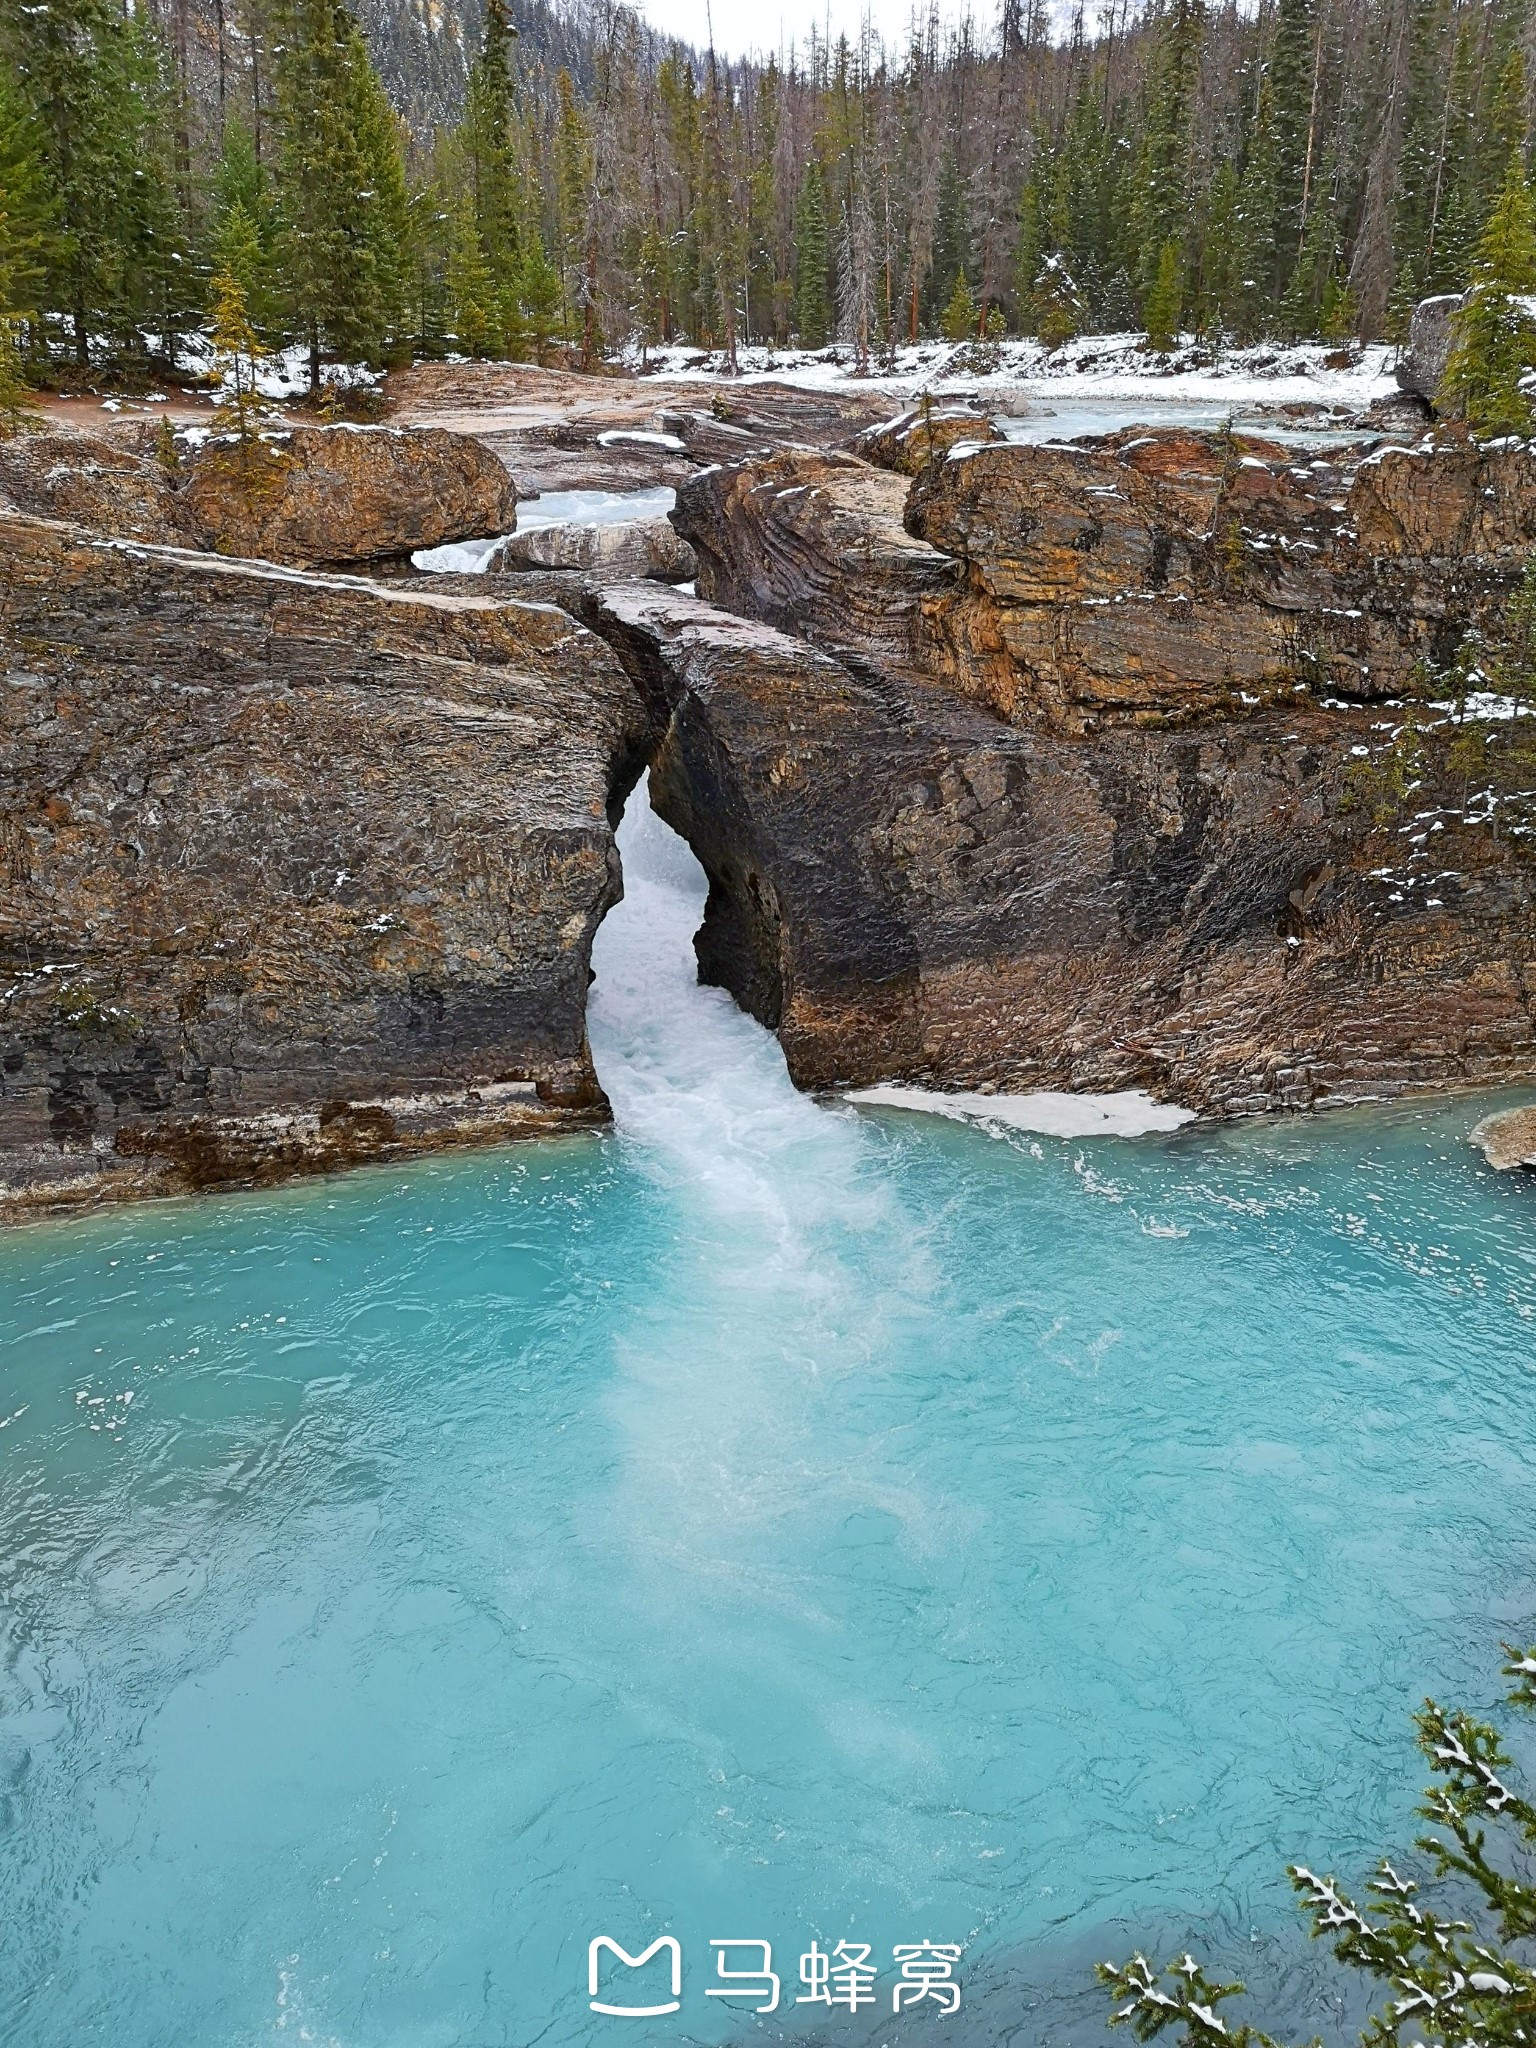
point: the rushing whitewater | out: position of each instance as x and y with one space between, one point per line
770 1519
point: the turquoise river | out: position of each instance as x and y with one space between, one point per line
769 1520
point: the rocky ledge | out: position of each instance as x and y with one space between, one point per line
906 887
294 870
1508 1139
1151 578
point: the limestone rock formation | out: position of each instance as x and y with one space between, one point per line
1147 578
1508 1139
325 495
913 439
624 552
94 484
906 887
1430 336
310 496
294 869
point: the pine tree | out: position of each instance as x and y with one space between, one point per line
25 216
236 351
1291 81
1256 249
952 243
541 297
14 411
1161 208
490 146
1161 308
1056 307
472 297
959 321
340 192
243 228
573 195
811 310
93 83
1474 1976
1495 337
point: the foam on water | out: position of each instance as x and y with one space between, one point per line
766 1519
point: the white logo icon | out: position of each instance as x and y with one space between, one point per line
671 1944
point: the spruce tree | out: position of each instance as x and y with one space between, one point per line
15 413
472 297
959 321
340 191
573 196
812 314
1495 336
1291 79
1160 211
952 245
92 81
25 215
1164 301
491 147
1256 251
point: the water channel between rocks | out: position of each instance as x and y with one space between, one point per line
771 1518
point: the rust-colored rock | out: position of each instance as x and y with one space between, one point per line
92 483
1151 577
294 869
815 545
310 496
325 495
914 439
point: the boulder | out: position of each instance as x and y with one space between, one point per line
634 548
313 495
326 495
1430 337
1508 1139
294 869
906 888
913 439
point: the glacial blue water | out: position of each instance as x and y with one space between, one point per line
770 1520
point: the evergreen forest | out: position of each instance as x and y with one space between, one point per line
520 181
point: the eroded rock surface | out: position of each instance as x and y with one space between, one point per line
92 483
912 440
623 552
305 497
326 495
294 869
1509 1139
905 887
1152 577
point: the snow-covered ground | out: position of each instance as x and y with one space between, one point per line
1095 366
1130 1113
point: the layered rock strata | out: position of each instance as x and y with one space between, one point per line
1151 578
294 870
905 887
627 550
